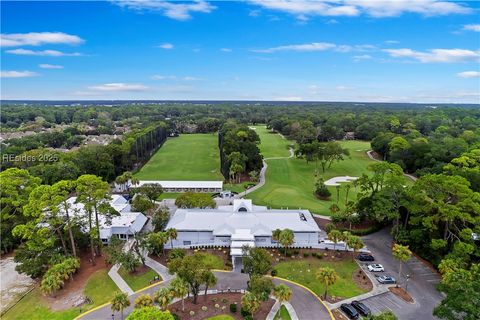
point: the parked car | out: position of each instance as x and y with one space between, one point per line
361 308
386 280
349 311
375 267
365 257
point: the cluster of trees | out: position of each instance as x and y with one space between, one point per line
256 263
67 138
194 271
195 200
107 161
324 152
239 152
40 218
144 306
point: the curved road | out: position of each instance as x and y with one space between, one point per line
306 305
369 153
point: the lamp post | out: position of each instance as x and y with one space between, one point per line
113 316
406 283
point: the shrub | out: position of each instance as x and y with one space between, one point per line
244 313
274 273
248 317
192 313
204 308
306 254
296 252
176 253
319 255
233 307
224 300
217 306
175 316
289 254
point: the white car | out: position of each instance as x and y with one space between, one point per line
375 267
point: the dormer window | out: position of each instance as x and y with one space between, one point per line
242 209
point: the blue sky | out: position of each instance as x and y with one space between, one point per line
327 50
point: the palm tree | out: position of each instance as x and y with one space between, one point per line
172 235
286 239
355 243
119 302
179 289
251 303
402 254
51 282
327 276
335 236
282 293
276 235
163 297
145 300
347 187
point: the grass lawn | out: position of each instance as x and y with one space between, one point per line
221 317
100 288
272 144
138 281
283 314
215 262
304 271
290 182
187 157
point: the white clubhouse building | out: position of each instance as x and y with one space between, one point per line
242 224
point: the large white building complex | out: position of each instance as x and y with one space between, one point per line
242 224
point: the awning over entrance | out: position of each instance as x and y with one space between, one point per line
241 238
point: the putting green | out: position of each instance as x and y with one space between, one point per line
290 182
187 157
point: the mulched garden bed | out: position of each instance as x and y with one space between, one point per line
401 293
223 301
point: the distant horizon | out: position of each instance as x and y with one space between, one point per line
235 101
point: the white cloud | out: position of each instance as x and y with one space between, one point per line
119 87
161 77
49 66
392 41
17 74
37 39
374 8
189 78
51 53
436 55
362 57
308 47
469 74
166 46
472 27
317 46
178 11
226 50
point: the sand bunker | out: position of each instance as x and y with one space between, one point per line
337 180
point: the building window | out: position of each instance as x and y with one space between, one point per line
187 243
122 236
242 209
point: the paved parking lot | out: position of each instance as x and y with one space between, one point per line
421 286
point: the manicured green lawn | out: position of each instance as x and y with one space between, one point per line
283 314
272 144
100 288
221 317
187 157
290 182
304 271
138 281
215 262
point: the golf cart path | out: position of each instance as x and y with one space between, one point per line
262 178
